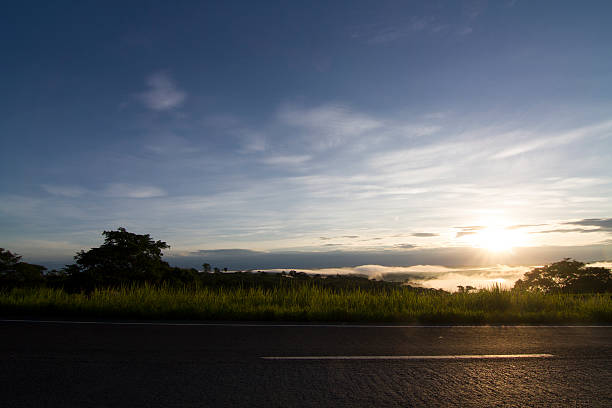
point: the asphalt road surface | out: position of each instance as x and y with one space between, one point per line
157 365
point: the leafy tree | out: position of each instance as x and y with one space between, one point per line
123 257
206 268
8 260
466 289
15 272
567 275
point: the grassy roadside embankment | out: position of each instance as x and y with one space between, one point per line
308 303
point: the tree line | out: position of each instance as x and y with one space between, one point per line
126 258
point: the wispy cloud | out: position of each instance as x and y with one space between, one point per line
577 182
405 246
169 144
586 226
162 93
385 32
252 141
424 234
121 190
221 253
464 233
388 34
469 230
536 142
418 157
115 190
474 8
328 125
604 224
286 160
520 226
565 230
65 191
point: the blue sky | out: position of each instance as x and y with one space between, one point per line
278 132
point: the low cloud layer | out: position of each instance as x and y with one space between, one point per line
432 276
436 276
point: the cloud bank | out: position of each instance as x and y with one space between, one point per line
431 276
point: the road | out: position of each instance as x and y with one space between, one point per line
158 365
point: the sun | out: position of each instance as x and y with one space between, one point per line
497 239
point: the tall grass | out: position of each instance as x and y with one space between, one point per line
310 303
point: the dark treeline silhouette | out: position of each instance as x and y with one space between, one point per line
126 258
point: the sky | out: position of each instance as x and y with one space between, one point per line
309 134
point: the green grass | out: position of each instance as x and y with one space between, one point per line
307 303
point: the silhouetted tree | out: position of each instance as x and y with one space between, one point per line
567 275
8 260
465 289
206 268
15 272
123 257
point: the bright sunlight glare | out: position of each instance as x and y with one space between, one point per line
497 237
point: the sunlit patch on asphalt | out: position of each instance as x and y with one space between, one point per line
449 357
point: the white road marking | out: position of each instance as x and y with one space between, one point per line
264 324
450 357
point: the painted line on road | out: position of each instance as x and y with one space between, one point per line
449 357
263 324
